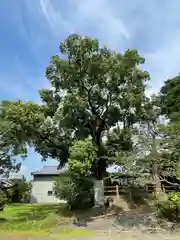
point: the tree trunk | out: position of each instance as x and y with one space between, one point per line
100 165
155 172
160 195
156 179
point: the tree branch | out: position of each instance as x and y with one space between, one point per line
173 184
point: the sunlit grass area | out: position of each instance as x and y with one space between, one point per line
38 219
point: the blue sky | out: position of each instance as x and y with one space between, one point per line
31 31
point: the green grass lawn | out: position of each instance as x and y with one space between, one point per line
38 219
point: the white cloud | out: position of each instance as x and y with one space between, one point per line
85 16
150 26
164 63
102 16
54 17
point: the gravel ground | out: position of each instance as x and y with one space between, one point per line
132 236
133 225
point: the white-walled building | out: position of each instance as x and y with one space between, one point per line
42 185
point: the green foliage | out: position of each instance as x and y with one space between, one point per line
167 211
17 123
22 119
154 153
3 198
175 198
82 157
23 125
171 156
169 98
170 209
21 191
15 191
118 140
77 191
52 141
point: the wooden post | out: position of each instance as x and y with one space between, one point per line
163 188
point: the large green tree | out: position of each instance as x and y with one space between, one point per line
92 89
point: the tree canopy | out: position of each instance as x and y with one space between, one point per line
92 89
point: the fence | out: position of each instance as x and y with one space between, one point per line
118 190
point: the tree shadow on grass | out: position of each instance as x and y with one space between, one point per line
138 198
81 218
3 220
77 218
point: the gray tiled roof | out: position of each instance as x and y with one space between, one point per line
50 170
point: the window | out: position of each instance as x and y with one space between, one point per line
50 193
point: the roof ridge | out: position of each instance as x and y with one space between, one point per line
53 169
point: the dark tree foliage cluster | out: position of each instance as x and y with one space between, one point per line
14 191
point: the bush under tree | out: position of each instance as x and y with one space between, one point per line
76 190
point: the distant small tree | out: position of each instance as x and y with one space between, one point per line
20 191
24 188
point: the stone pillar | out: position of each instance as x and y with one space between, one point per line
99 192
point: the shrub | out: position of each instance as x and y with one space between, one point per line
20 191
174 197
77 191
170 209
